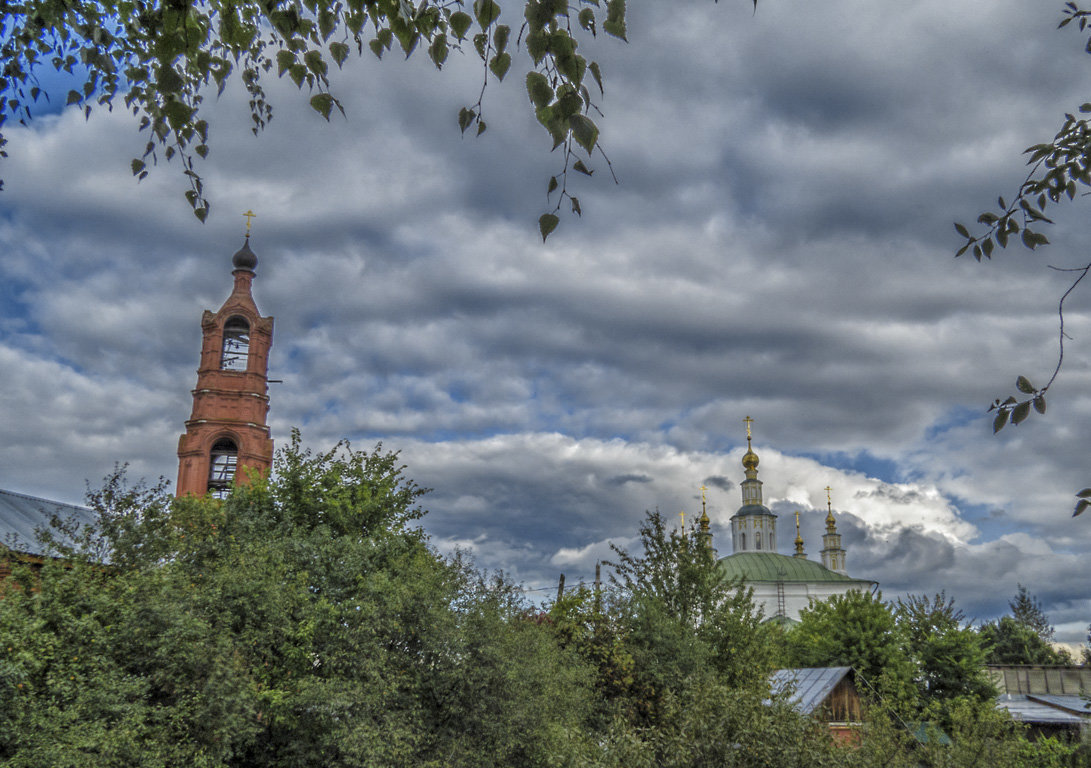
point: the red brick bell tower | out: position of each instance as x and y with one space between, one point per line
227 431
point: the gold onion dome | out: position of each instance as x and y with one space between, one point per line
750 459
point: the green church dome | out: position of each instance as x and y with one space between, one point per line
753 509
771 566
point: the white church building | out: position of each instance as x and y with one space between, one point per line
783 585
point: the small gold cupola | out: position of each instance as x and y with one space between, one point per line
753 527
833 554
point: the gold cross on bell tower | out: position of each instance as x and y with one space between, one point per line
248 216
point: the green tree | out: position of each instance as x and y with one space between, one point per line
676 593
1028 611
1024 637
303 621
857 630
696 663
1011 642
946 652
161 59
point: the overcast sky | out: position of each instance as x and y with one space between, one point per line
779 245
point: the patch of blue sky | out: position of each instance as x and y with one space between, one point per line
13 307
954 418
887 470
55 85
459 393
993 521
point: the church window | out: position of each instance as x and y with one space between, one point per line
742 541
223 460
236 348
757 540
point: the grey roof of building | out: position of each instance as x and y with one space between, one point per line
1026 710
807 688
1077 705
21 516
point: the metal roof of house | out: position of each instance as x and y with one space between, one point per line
774 567
1077 705
22 515
1026 710
807 688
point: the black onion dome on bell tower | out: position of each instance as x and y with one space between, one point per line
245 258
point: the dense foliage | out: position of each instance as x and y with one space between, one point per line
306 621
301 622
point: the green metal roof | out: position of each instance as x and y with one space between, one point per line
771 566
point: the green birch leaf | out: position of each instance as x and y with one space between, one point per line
322 103
339 52
460 24
615 19
1020 412
486 11
547 222
1024 385
585 131
1000 420
597 74
285 59
538 89
500 64
465 118
587 20
437 51
1081 506
500 37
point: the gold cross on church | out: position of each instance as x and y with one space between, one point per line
248 216
748 421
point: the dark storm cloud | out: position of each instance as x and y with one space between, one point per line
719 482
623 479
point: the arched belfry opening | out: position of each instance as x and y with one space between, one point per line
223 460
236 344
227 430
